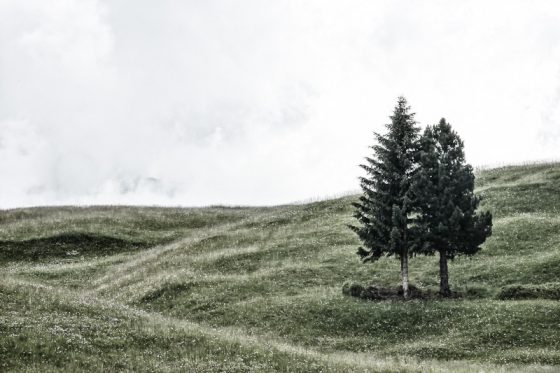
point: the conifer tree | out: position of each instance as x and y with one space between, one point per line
383 210
445 205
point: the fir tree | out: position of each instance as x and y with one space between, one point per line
383 210
446 220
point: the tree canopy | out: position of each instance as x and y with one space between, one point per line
418 197
384 208
444 200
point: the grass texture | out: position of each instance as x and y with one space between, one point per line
235 289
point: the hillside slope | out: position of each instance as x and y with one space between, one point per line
259 289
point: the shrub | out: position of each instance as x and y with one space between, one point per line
542 291
352 289
375 292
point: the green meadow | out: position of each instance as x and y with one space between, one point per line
258 289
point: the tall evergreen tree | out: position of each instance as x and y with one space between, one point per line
443 196
383 210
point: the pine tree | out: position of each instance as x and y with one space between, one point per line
443 196
383 210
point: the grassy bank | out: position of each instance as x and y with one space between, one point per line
259 289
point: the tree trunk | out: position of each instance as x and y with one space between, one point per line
404 273
443 275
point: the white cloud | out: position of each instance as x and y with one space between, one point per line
257 102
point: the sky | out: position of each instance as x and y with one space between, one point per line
258 102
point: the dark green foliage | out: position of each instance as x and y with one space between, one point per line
383 209
376 292
352 289
446 220
542 291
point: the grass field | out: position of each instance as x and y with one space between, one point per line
259 289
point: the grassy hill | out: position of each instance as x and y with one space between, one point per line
259 289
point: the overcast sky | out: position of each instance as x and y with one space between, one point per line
258 102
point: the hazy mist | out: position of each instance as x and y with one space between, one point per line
258 102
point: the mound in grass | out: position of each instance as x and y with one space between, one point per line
542 291
376 292
64 245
